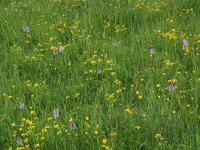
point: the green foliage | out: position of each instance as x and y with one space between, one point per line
94 61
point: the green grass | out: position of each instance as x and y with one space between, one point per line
128 103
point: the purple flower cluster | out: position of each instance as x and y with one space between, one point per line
19 140
72 126
56 113
26 29
21 105
61 49
171 87
185 44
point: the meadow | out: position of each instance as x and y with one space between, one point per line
99 74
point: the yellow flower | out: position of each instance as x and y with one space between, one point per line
42 138
109 61
10 97
128 110
137 127
13 124
77 94
26 140
96 132
157 136
27 146
137 92
20 129
10 148
37 145
173 30
93 62
54 48
52 39
158 85
71 119
87 118
44 130
87 125
20 148
140 97
32 113
104 141
112 133
50 118
36 85
47 127
56 126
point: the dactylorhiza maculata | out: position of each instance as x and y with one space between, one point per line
55 52
56 113
19 140
171 87
21 105
185 44
115 43
99 71
72 126
61 49
152 51
26 29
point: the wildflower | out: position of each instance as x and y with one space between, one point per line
21 105
13 124
61 49
56 113
49 119
19 140
72 126
104 141
115 43
26 140
127 110
157 136
137 127
55 126
140 97
32 113
137 92
26 29
52 39
96 132
42 138
87 118
185 44
112 133
36 85
109 61
158 85
37 145
99 71
10 97
152 51
77 95
55 52
171 87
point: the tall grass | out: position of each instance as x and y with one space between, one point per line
106 82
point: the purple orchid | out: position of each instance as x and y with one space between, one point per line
56 113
